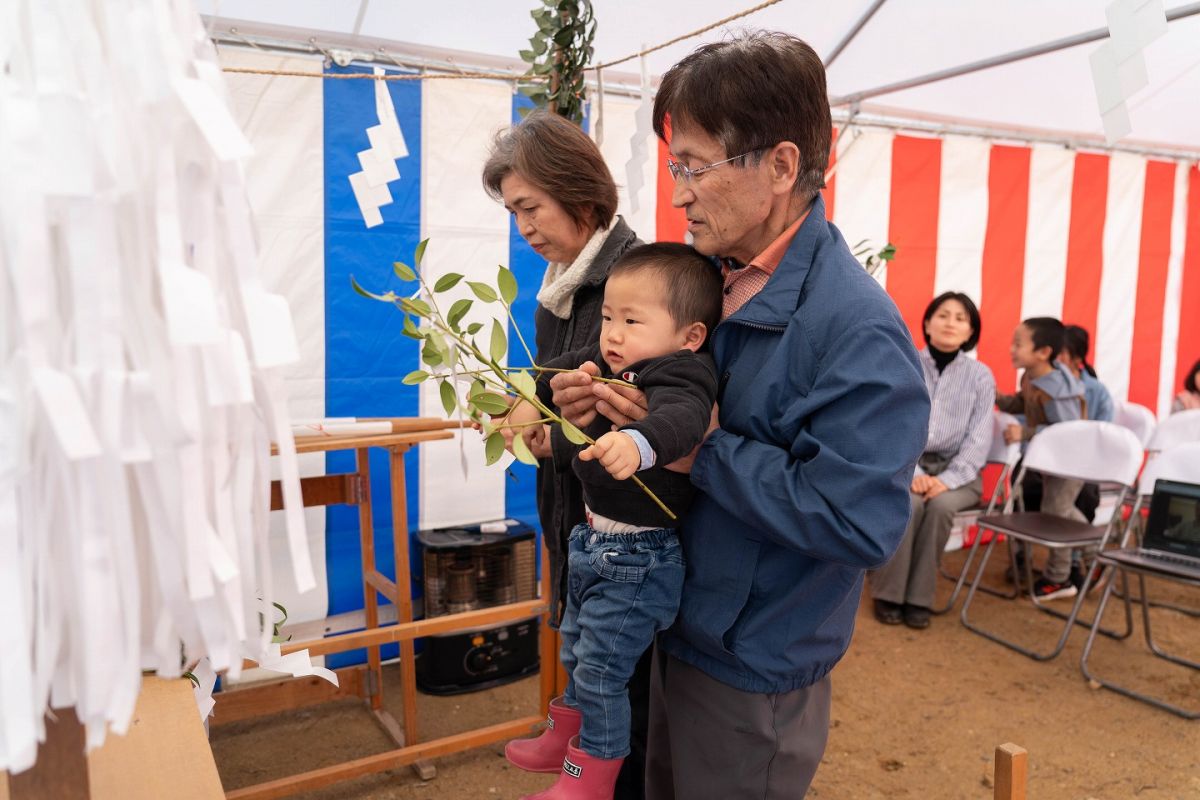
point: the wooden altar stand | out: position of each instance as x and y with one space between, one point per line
366 682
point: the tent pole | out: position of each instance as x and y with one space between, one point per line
850 34
996 61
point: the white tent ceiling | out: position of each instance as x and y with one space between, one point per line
904 39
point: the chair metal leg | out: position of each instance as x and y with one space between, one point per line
1109 591
1154 648
961 580
1034 654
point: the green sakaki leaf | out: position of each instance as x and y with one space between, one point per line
524 383
573 434
507 283
521 451
474 328
414 306
493 448
449 398
439 342
527 55
404 271
484 292
411 330
430 354
447 281
415 377
477 386
364 292
490 403
419 253
538 45
499 345
456 313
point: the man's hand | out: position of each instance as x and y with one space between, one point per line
616 452
573 394
622 405
920 484
1013 433
684 464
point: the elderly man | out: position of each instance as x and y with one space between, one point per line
803 486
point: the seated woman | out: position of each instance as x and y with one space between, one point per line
1189 398
962 392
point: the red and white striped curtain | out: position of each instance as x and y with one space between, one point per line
1110 242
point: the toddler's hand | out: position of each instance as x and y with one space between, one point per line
616 452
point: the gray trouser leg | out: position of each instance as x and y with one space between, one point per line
911 576
1058 498
707 739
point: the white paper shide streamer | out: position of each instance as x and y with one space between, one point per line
140 361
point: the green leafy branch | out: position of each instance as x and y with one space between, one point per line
453 356
871 259
557 56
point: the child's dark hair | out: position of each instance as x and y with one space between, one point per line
693 282
1046 332
1076 343
972 314
1189 382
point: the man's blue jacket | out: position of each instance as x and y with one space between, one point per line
805 486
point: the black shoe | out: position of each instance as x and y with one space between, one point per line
916 616
1076 578
889 613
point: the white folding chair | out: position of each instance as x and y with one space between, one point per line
1099 452
1182 464
1006 456
1178 428
1136 418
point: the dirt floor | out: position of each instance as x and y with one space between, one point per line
916 714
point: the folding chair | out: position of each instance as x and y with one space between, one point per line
1100 452
1005 456
1136 418
1182 464
1179 428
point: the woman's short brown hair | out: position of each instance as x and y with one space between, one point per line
559 158
750 93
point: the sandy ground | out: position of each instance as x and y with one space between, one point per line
916 714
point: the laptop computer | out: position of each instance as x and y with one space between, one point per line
1171 543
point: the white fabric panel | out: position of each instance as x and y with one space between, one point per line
1113 336
284 120
1051 171
468 233
620 123
864 185
962 216
1173 297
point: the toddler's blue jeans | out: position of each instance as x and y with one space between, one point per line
622 589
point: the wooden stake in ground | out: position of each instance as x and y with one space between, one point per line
1012 768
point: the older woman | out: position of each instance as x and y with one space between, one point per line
553 180
947 481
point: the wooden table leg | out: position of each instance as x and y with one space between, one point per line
366 527
404 606
547 641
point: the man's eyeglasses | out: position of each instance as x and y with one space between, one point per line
678 170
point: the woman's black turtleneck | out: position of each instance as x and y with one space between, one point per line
941 359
